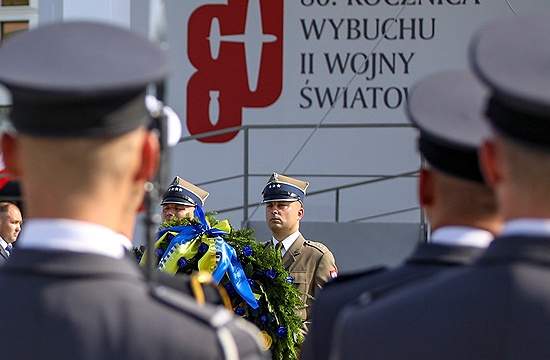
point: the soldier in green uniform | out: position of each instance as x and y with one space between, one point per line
310 263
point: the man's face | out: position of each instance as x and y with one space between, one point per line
283 216
10 224
177 211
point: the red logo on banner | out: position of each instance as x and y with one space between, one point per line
237 50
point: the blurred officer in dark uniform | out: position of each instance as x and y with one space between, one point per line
310 263
498 307
83 153
461 209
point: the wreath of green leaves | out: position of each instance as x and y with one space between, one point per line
272 285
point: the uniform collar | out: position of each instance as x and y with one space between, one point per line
432 254
73 236
522 240
527 226
462 236
287 242
510 249
71 264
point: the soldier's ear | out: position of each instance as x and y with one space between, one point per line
490 163
301 212
10 154
150 155
426 188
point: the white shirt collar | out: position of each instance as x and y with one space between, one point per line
3 243
287 242
462 236
73 235
526 226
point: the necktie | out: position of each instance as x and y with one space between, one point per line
279 248
9 248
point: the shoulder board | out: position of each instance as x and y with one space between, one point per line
214 317
384 289
217 318
317 245
205 291
347 277
197 286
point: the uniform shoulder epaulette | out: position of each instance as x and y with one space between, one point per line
347 277
210 315
317 245
198 285
381 290
204 290
217 318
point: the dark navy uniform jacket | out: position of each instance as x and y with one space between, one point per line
494 309
89 306
427 260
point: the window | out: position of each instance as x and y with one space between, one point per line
4 111
15 3
4 119
10 28
15 16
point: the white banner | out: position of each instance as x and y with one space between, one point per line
239 62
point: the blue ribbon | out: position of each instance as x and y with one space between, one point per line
228 262
187 233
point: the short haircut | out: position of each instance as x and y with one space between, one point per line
529 165
5 205
468 198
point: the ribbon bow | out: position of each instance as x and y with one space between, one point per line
219 259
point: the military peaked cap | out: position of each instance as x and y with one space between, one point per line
284 188
79 79
447 108
512 57
183 192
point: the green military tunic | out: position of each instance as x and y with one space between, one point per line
311 264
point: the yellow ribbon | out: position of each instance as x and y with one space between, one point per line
188 250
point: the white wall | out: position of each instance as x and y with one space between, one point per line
356 151
358 246
113 11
